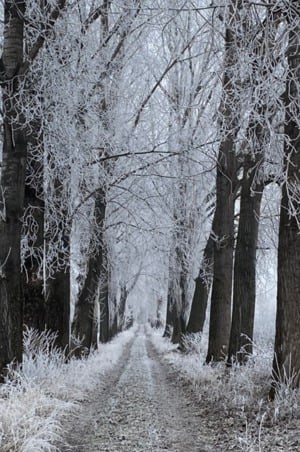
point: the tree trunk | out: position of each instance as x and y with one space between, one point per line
58 285
176 333
34 298
223 228
104 308
84 309
169 319
122 308
104 299
201 291
12 188
286 364
223 222
178 309
33 284
114 321
244 289
58 306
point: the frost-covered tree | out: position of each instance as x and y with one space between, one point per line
260 58
226 184
15 64
286 365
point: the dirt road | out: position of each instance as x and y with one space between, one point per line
139 407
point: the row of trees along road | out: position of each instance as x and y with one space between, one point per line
138 140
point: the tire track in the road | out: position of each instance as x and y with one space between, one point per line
139 407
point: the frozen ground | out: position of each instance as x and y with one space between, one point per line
140 406
138 393
156 399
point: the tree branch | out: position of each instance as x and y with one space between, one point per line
34 51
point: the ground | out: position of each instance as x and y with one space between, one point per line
139 406
146 402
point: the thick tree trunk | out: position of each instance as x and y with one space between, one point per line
58 285
12 188
183 284
34 297
113 328
223 228
169 320
33 284
85 307
201 291
286 364
176 333
104 308
122 308
178 311
104 300
223 222
58 307
244 289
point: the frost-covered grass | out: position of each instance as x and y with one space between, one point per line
37 396
237 398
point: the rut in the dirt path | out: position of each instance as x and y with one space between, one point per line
139 407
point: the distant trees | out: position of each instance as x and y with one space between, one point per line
137 142
252 139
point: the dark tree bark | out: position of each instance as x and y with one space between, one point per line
179 329
169 320
33 284
179 272
58 302
113 328
104 315
244 289
201 291
104 305
178 308
13 69
85 307
286 364
223 222
122 308
158 321
223 228
252 185
176 333
58 284
34 298
12 188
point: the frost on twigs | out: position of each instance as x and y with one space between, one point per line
235 399
37 396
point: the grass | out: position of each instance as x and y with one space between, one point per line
37 396
237 398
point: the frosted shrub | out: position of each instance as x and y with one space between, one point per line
29 410
191 343
37 396
236 398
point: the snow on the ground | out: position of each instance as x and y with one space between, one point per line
138 393
34 402
236 399
139 408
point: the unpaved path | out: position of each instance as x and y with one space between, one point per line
139 407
